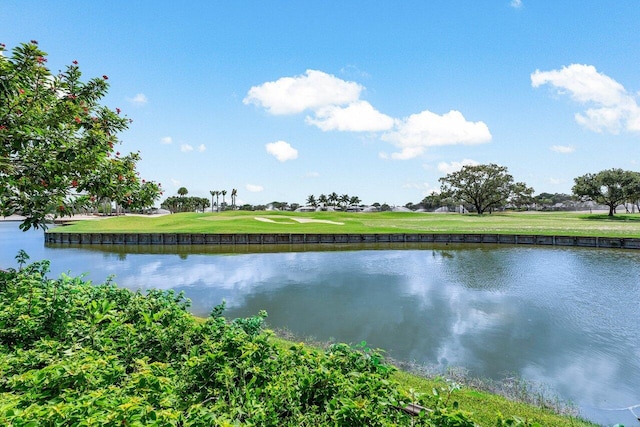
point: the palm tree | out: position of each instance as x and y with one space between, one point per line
224 193
344 199
322 199
311 201
354 201
333 198
213 193
182 191
234 194
217 193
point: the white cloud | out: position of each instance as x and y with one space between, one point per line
254 188
140 99
185 148
353 70
359 116
335 104
292 95
312 175
282 151
416 133
448 168
516 4
424 187
202 148
175 182
555 181
166 140
614 108
564 149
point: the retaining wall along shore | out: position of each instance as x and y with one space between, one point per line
295 238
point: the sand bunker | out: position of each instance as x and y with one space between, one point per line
324 221
261 219
300 220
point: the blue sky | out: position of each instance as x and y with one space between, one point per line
283 99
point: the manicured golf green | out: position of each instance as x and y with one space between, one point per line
540 223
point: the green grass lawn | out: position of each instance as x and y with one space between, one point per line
541 223
483 406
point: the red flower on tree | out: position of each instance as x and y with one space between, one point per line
104 76
77 119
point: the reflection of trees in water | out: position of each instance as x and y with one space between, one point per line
355 306
443 254
482 267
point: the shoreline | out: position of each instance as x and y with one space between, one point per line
260 239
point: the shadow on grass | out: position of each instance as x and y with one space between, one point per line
605 217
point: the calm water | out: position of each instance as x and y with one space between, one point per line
565 317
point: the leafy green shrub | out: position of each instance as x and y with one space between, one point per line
72 353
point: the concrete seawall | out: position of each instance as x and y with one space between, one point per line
292 238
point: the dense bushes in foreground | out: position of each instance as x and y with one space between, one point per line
72 353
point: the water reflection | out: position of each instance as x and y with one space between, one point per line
567 317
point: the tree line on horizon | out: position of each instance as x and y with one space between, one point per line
474 188
481 188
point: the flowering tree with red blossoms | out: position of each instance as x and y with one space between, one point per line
58 141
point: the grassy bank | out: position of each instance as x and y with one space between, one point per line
544 223
484 406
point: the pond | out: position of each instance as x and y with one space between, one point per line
564 317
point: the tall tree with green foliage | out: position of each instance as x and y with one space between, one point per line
55 137
522 196
433 201
234 194
484 187
344 199
311 200
609 187
333 198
